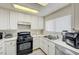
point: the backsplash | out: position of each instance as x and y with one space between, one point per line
53 33
36 32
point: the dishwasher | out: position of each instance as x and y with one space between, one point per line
59 50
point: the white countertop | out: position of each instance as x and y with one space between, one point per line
38 35
8 39
63 44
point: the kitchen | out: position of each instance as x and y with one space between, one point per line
37 28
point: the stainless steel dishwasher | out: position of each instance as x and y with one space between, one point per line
59 50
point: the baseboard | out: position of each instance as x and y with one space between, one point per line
36 49
40 49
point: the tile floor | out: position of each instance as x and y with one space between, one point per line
37 52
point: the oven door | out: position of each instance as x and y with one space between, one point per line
24 47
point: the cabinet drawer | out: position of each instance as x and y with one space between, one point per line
13 43
1 42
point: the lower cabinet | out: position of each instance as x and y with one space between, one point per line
47 46
51 48
35 43
60 50
1 48
44 45
10 47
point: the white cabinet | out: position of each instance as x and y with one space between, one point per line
27 18
10 47
20 17
47 46
37 23
4 19
13 20
34 22
8 20
24 17
44 45
36 43
2 48
51 48
40 23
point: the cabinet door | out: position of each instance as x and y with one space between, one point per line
27 18
35 43
4 19
34 24
51 48
40 23
41 43
44 45
37 23
10 48
20 17
2 48
13 20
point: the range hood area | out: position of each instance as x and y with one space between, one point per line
24 23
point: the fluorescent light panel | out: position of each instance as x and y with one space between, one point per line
25 8
43 4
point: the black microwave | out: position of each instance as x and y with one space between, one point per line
72 39
1 35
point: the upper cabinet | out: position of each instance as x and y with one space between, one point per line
37 23
40 22
23 17
4 19
8 20
13 20
27 18
34 22
20 17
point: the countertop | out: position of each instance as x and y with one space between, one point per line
38 35
59 42
63 44
8 39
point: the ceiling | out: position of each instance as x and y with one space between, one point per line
43 10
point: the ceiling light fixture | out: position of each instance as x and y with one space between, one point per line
43 4
25 8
